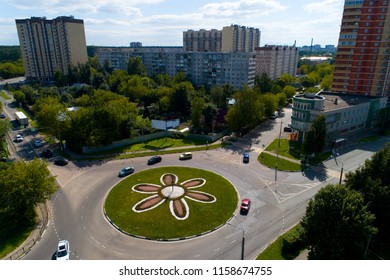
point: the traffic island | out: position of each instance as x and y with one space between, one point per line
171 203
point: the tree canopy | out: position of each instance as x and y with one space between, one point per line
337 224
24 184
315 140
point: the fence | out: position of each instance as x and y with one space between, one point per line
43 218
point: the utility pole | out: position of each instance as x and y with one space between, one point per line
277 155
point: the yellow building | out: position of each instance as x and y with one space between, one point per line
53 45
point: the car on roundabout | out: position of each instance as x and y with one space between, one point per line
187 155
154 159
245 206
126 171
62 250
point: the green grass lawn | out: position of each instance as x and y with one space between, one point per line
12 235
275 250
283 165
4 95
159 223
162 143
289 149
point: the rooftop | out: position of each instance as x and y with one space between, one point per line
334 101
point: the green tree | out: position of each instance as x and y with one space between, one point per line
19 96
337 224
289 91
247 112
373 182
315 140
136 67
326 82
24 184
263 83
5 126
197 106
52 116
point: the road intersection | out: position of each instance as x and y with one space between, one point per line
77 209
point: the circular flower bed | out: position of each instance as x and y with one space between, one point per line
171 202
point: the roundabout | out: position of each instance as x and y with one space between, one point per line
171 203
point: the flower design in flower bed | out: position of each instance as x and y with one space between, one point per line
173 192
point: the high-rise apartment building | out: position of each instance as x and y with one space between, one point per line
232 38
50 45
202 40
237 38
276 61
362 63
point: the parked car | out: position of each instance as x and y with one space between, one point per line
274 115
2 116
47 153
61 161
187 155
19 138
37 143
154 159
245 206
126 171
287 129
245 158
63 250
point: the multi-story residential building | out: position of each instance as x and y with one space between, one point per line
118 57
232 38
362 63
345 113
237 38
202 40
276 61
50 45
203 68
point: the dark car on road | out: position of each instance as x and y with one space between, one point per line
245 158
126 171
245 206
61 161
154 159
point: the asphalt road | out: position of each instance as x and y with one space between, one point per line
277 205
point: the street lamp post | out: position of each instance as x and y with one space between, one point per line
277 155
243 238
341 172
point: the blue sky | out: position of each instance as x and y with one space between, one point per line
162 22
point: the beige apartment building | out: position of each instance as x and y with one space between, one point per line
276 61
202 40
52 45
232 38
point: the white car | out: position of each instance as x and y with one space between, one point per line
18 138
63 250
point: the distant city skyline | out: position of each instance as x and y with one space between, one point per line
162 22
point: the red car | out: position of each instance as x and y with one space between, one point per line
245 205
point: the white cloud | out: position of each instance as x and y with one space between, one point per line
51 7
242 7
325 7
